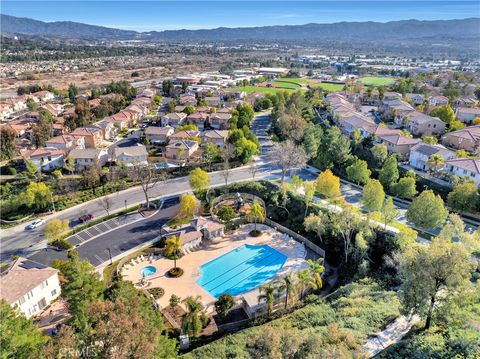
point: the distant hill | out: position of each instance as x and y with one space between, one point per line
394 31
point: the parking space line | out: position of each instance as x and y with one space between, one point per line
99 258
106 225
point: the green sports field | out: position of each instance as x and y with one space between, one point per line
252 89
376 81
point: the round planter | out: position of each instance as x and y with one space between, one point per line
175 272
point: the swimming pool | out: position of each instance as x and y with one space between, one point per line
160 165
241 269
148 271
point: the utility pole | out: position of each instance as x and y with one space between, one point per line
53 203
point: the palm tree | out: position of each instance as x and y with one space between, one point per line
435 160
304 280
267 293
257 213
316 270
288 285
173 245
192 322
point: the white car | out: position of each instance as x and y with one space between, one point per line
36 223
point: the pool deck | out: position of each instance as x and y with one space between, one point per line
187 284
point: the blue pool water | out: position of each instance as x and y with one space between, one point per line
241 269
148 271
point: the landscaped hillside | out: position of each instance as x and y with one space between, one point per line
339 324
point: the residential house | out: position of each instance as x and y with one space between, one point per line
181 150
203 109
187 100
467 114
466 102
217 137
421 153
420 124
397 109
93 136
109 130
185 135
213 100
415 98
220 121
66 143
467 139
465 168
29 286
5 111
438 101
54 109
355 121
398 144
44 96
45 159
158 135
131 155
174 119
198 119
85 158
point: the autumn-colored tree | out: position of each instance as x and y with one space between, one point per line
188 206
328 184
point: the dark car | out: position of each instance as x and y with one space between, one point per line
85 218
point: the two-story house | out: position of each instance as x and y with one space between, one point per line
66 142
423 125
132 155
422 152
467 139
217 137
181 150
467 114
220 121
29 286
464 167
158 135
174 119
85 158
45 159
93 136
399 144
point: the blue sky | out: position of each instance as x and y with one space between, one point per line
172 15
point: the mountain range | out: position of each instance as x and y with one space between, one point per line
395 31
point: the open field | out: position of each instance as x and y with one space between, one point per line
285 84
252 89
376 81
329 87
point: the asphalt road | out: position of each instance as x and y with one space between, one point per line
98 250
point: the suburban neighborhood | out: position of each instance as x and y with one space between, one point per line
253 197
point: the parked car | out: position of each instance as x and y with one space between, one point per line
85 218
36 223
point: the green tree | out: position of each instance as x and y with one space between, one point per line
388 174
19 337
389 211
81 286
257 213
358 172
37 195
224 304
317 223
72 92
173 246
309 188
434 161
199 180
32 106
55 228
304 278
405 187
267 294
311 140
287 285
192 322
444 113
373 195
344 224
31 169
427 210
174 300
380 153
226 214
8 144
440 270
334 149
464 197
316 270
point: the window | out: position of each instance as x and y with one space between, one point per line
21 301
43 285
54 293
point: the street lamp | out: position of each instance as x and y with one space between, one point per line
110 255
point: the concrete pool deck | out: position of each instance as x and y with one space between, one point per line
187 284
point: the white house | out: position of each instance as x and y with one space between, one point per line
464 167
29 286
45 159
173 119
421 153
131 155
466 114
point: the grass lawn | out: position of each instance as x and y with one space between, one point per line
253 89
296 80
285 84
328 86
376 81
